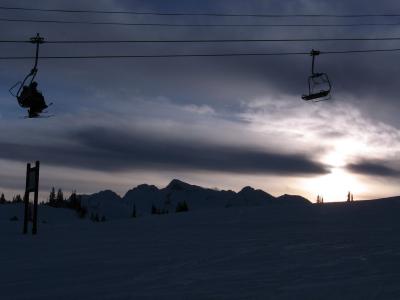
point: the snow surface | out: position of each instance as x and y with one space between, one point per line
330 251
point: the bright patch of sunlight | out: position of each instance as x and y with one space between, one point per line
343 150
335 185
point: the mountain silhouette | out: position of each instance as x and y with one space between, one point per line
144 197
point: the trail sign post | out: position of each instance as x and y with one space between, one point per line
31 186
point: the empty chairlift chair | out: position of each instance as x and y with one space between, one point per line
319 85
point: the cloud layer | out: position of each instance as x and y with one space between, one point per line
115 150
373 168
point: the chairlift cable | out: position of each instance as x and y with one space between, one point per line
210 14
172 25
199 55
204 40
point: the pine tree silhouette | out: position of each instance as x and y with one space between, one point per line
52 197
59 198
17 199
2 199
182 207
73 201
134 211
154 210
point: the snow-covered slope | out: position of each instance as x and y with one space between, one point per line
292 200
330 251
46 215
251 197
106 204
143 197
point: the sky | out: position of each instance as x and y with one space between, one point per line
218 122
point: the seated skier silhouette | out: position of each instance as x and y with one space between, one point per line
32 99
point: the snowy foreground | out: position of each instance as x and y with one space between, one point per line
334 251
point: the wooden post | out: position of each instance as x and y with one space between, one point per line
26 200
35 203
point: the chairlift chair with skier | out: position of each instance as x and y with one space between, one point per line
27 94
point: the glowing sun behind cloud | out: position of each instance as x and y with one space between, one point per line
336 134
335 185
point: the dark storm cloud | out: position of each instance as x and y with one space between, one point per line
373 168
115 150
11 182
